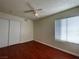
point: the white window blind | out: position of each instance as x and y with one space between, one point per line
67 29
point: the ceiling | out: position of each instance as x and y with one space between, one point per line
49 7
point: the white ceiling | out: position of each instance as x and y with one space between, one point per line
17 7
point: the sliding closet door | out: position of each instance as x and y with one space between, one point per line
4 27
4 32
14 34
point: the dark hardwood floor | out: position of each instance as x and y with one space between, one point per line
33 50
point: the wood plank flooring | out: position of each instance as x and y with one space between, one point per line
33 50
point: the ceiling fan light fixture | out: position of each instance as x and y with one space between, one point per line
33 10
36 14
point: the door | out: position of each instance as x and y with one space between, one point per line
4 32
14 34
4 28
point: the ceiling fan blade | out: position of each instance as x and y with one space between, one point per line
32 10
28 11
38 9
30 5
35 9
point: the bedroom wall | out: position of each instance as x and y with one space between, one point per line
44 31
25 30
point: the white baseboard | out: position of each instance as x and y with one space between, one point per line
58 48
21 42
25 41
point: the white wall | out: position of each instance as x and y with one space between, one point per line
26 31
20 30
44 31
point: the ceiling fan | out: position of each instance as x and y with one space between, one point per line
33 10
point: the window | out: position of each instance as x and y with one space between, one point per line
67 29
